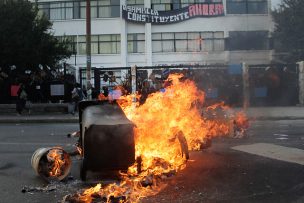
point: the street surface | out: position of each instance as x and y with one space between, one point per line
232 170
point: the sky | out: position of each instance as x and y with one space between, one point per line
274 3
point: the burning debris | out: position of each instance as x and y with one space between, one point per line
167 126
51 163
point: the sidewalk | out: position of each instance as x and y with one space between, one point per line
254 113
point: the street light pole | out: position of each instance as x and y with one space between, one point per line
88 47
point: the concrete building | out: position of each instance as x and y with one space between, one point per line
240 34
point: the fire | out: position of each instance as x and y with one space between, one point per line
168 124
56 156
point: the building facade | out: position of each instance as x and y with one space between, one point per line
241 34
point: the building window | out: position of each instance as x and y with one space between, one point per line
72 42
247 6
77 9
100 44
60 11
184 3
136 3
109 44
162 5
188 42
101 9
136 43
44 8
248 40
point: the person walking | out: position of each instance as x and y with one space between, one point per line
21 99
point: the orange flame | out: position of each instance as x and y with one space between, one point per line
56 156
165 124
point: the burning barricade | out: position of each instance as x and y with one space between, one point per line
160 133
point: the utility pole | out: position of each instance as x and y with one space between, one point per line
88 48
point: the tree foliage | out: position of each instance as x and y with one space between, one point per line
289 30
26 39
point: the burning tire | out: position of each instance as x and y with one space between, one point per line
51 163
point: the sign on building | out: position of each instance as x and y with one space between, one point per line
147 15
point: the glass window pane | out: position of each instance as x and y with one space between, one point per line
156 36
218 35
207 45
219 44
82 48
83 12
193 45
104 12
69 13
104 37
105 2
206 35
168 46
140 47
94 47
140 36
130 46
181 35
193 35
105 47
181 45
115 11
156 46
167 35
130 36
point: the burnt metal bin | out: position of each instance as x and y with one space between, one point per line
107 138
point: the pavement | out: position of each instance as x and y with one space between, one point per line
52 113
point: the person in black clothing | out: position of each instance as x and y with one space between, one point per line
21 99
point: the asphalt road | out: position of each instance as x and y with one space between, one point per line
219 174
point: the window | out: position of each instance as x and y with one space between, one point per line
72 42
161 5
163 42
184 3
109 44
136 43
100 44
60 11
247 6
248 40
136 3
188 42
82 45
44 8
77 9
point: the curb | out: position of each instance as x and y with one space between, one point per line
39 120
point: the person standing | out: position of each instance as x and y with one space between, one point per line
21 99
77 96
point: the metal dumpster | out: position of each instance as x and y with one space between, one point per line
107 138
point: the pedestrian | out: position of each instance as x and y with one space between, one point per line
77 96
21 99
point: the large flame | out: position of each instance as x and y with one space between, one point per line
162 122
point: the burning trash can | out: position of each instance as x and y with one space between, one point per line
52 164
106 137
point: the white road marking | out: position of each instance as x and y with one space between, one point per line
281 135
273 151
282 138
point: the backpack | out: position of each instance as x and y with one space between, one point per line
78 95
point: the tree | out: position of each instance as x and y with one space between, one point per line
288 33
26 39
